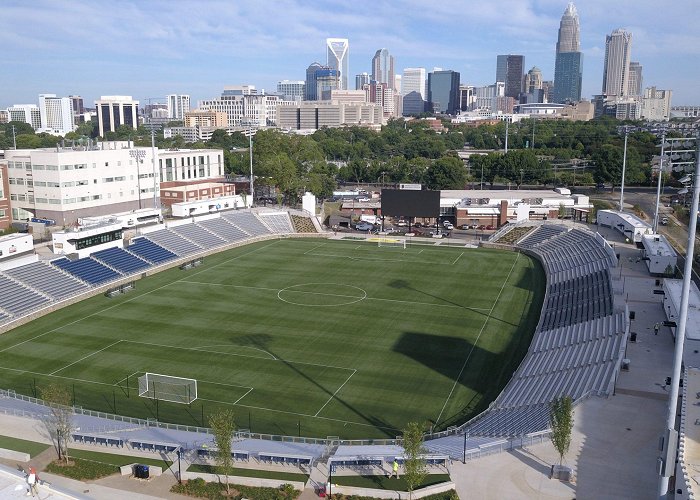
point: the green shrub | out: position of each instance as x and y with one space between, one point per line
201 489
82 469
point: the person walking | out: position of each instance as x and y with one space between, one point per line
394 469
656 328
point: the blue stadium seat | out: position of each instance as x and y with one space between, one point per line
121 260
88 270
146 249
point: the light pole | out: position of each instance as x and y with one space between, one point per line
138 155
671 435
658 185
156 181
624 166
179 469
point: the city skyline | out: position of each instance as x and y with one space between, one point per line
153 49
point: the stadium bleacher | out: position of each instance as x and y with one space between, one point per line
87 269
248 222
152 252
172 241
48 280
121 260
199 235
18 299
224 229
278 222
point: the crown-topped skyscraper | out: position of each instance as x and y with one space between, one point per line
568 64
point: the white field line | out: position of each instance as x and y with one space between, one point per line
129 300
334 295
236 401
56 376
116 384
239 355
237 346
336 392
488 316
85 357
413 261
455 261
314 248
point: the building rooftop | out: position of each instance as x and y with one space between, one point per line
657 244
674 289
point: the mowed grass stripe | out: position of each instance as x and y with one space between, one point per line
406 339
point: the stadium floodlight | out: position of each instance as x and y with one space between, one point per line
168 388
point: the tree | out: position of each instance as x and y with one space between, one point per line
223 425
415 467
447 173
561 420
58 398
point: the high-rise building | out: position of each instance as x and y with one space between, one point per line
509 70
656 104
114 111
327 79
443 91
467 97
310 88
383 68
413 91
27 113
291 90
618 49
533 80
568 64
569 39
78 109
178 105
56 114
361 80
338 55
245 107
635 79
380 93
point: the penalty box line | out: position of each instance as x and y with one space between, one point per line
336 392
85 357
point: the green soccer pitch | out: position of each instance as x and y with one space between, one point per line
300 337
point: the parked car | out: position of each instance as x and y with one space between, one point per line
364 226
490 228
448 225
664 221
401 223
417 224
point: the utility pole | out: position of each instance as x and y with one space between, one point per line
155 172
507 123
658 185
624 165
14 138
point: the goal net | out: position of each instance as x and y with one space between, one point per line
391 242
168 388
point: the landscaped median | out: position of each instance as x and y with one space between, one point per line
248 477
437 486
85 465
20 449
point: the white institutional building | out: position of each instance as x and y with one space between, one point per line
64 184
178 105
245 107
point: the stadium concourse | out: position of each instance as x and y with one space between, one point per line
577 350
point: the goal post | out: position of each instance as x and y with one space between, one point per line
168 388
388 242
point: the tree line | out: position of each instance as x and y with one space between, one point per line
541 152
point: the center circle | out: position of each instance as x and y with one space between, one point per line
321 294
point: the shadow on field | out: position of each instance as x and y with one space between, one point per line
403 284
448 356
260 342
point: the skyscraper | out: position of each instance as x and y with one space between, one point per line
361 80
338 54
383 67
618 49
568 64
116 110
56 114
310 88
178 105
635 81
509 69
413 91
443 91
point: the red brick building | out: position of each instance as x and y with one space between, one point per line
179 191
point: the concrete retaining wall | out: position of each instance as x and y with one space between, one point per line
245 481
371 492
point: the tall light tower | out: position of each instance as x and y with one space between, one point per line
138 155
684 160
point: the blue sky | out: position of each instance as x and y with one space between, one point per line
150 48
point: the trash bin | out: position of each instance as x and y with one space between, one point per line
141 471
633 337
